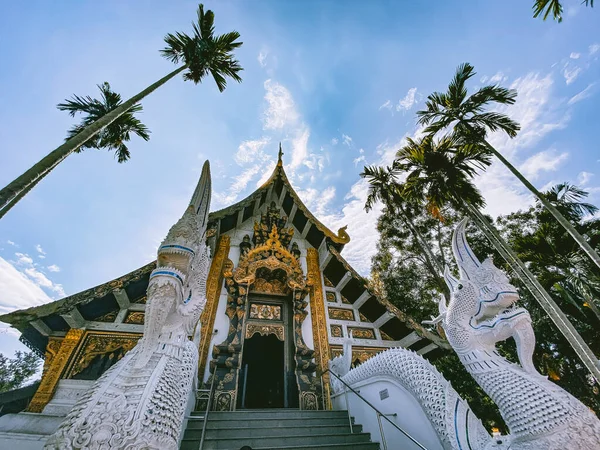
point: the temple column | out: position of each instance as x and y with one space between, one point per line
213 293
319 322
55 369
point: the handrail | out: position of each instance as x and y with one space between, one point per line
376 410
210 394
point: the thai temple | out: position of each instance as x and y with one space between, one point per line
251 331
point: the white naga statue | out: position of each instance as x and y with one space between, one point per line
140 402
482 312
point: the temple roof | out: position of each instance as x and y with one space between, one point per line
91 305
228 218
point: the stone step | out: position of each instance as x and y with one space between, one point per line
268 414
225 422
278 441
194 444
269 430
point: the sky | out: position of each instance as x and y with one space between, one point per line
337 83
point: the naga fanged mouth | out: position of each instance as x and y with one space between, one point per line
489 309
506 315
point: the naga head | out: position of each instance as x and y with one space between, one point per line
482 304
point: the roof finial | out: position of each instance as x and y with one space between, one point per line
280 156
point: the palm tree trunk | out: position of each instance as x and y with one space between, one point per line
430 260
15 190
29 187
587 248
539 293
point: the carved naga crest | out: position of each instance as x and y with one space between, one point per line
177 287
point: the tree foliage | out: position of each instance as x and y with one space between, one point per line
558 262
15 372
114 136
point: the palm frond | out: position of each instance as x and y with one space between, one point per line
547 7
113 136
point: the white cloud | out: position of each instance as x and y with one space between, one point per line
318 201
53 268
408 101
533 110
262 57
545 161
23 259
584 177
361 158
347 140
593 49
299 148
281 110
17 290
498 78
266 174
9 242
334 141
238 185
252 151
587 92
42 280
387 105
571 73
575 55
40 250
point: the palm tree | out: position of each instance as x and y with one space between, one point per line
383 186
546 7
440 174
469 120
113 137
201 54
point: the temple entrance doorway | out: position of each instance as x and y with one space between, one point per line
264 373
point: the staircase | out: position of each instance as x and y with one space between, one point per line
276 429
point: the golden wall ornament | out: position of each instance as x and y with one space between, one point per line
56 368
265 312
359 353
331 296
341 314
213 293
319 320
265 330
136 317
337 331
51 350
98 344
108 317
361 333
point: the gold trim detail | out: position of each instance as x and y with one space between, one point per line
319 322
55 369
265 330
213 293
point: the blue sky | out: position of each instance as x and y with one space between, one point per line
337 82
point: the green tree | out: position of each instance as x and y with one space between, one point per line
113 137
383 186
439 174
408 284
467 118
14 372
200 55
545 8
